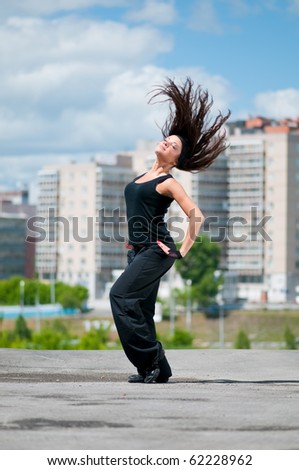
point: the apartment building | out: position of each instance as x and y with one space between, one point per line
82 222
45 238
16 254
250 198
12 244
263 208
210 192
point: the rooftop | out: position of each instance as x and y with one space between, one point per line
216 399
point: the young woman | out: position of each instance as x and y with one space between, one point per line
189 144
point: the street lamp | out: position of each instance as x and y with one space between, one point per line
37 318
52 288
221 320
188 305
22 289
220 301
171 303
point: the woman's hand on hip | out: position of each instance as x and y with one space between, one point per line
176 254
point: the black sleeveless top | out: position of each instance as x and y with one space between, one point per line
146 209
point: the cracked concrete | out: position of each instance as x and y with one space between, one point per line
216 399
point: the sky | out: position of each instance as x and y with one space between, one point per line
75 74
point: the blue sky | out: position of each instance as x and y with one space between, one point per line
75 73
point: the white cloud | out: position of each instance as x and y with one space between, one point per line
204 17
123 118
154 11
78 85
75 86
47 7
55 77
278 104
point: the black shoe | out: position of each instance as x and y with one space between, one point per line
136 379
151 374
162 380
165 369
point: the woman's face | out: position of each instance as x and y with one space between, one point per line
169 149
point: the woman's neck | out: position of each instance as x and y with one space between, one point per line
160 168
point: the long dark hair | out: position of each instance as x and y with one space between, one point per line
188 118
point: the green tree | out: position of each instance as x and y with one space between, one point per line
10 291
199 266
21 329
71 296
18 337
289 338
242 341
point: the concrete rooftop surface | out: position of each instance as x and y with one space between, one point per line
216 399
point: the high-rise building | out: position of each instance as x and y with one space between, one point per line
47 207
210 193
12 244
82 222
263 202
250 198
16 254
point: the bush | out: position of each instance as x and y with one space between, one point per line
96 338
242 341
7 339
289 339
21 329
48 338
18 337
54 335
180 339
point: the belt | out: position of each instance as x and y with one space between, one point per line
132 247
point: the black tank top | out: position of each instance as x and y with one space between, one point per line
146 209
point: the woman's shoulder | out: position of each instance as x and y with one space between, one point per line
169 186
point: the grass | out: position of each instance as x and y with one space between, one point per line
261 327
265 329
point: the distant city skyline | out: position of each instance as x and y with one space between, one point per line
74 80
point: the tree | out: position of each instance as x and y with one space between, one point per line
71 296
242 341
21 329
289 338
199 266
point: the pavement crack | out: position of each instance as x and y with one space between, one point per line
43 423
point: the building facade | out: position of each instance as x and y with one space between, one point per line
263 202
17 255
81 227
250 199
249 196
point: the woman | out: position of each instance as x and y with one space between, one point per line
189 144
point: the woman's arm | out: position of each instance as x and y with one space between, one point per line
175 190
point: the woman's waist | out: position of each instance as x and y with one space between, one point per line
151 239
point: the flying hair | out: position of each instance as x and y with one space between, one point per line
189 119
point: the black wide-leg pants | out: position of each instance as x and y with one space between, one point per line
133 297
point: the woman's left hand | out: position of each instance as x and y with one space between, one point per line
172 253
